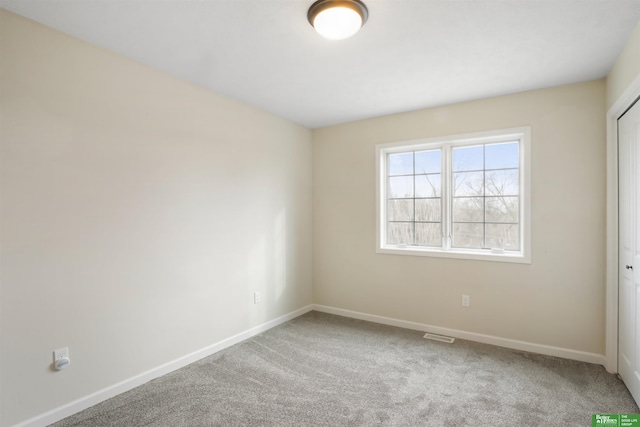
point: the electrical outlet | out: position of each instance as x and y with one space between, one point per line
61 358
257 298
466 301
61 353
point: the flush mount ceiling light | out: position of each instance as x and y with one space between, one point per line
337 19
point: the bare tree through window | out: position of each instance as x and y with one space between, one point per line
485 197
414 204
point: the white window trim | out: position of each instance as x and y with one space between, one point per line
523 134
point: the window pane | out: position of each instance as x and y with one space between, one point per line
468 209
428 210
428 185
400 233
468 158
400 210
400 164
467 236
400 187
501 156
468 184
502 183
427 161
429 234
502 209
503 236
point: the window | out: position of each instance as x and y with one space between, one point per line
466 196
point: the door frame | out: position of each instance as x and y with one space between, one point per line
621 105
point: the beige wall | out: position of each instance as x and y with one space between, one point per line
625 69
558 300
139 214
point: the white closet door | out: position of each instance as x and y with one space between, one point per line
629 250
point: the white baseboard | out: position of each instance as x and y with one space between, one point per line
69 409
548 350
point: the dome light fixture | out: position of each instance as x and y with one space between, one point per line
337 19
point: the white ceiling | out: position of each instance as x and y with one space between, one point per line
411 54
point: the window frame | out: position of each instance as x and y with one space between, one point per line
447 143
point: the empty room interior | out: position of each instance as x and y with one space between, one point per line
211 214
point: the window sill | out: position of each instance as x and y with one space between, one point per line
512 257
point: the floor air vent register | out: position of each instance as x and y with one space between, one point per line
440 338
